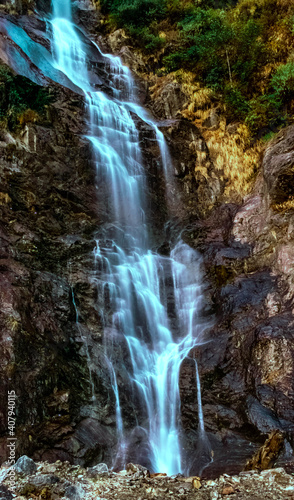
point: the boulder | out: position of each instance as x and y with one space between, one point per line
74 492
278 166
25 465
98 470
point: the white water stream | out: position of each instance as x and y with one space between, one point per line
131 279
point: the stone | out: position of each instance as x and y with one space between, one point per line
228 490
213 120
43 480
74 492
196 483
25 465
5 493
98 470
137 470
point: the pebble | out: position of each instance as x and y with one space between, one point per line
273 484
196 483
228 490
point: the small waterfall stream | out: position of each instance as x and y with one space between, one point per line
134 284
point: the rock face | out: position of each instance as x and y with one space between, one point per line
247 365
47 236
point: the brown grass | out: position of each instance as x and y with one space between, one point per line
28 116
233 156
236 161
285 206
4 199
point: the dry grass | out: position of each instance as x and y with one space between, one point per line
286 206
28 116
4 199
199 97
160 83
235 160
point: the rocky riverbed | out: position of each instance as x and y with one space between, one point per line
64 481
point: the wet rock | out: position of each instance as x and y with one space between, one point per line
25 465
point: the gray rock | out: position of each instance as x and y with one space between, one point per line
25 465
44 480
278 166
137 470
74 492
5 494
98 470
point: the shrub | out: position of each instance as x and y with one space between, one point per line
18 95
264 112
236 104
283 81
238 48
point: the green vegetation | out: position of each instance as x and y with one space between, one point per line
242 50
21 100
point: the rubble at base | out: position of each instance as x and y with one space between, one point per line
61 481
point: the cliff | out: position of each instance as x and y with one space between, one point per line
234 206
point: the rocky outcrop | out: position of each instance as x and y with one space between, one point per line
268 454
279 167
246 365
49 213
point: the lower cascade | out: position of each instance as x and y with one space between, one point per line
150 305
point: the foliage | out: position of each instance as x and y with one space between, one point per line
20 99
238 48
283 81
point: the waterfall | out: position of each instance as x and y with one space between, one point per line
132 280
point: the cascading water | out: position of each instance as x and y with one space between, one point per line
131 279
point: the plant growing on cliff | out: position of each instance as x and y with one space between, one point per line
239 49
20 99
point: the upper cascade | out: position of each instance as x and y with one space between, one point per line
61 9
